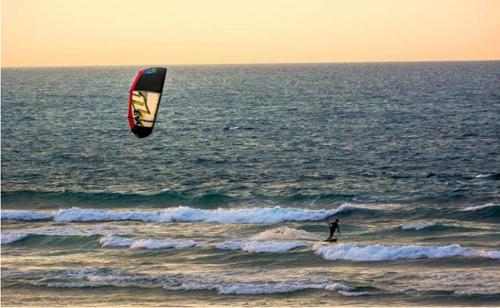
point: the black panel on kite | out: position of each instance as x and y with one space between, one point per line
144 101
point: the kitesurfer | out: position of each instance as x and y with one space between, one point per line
333 226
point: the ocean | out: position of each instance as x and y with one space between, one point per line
227 202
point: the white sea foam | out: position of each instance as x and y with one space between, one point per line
118 241
380 252
260 246
192 286
338 287
416 226
8 238
161 244
75 230
93 277
258 287
485 176
248 246
182 214
116 278
77 214
349 294
230 245
25 215
267 288
286 233
480 207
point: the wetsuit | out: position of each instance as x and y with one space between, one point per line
333 226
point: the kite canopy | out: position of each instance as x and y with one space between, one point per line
145 95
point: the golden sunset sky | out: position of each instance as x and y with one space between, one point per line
149 32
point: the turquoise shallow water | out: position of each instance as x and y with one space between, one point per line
226 203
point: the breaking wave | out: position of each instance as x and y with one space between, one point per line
25 215
434 227
257 287
492 176
248 246
262 214
482 207
260 246
379 252
286 233
118 241
417 226
181 214
11 238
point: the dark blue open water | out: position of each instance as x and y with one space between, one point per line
226 202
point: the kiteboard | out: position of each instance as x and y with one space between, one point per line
144 100
332 240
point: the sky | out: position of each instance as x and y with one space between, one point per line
162 32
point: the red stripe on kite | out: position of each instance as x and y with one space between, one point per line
130 115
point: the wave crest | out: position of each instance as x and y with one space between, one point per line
379 252
260 246
8 238
255 215
118 241
482 207
286 233
25 215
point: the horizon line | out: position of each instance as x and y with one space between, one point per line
249 63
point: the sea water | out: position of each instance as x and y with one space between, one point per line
227 202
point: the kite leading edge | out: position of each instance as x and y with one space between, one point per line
144 100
